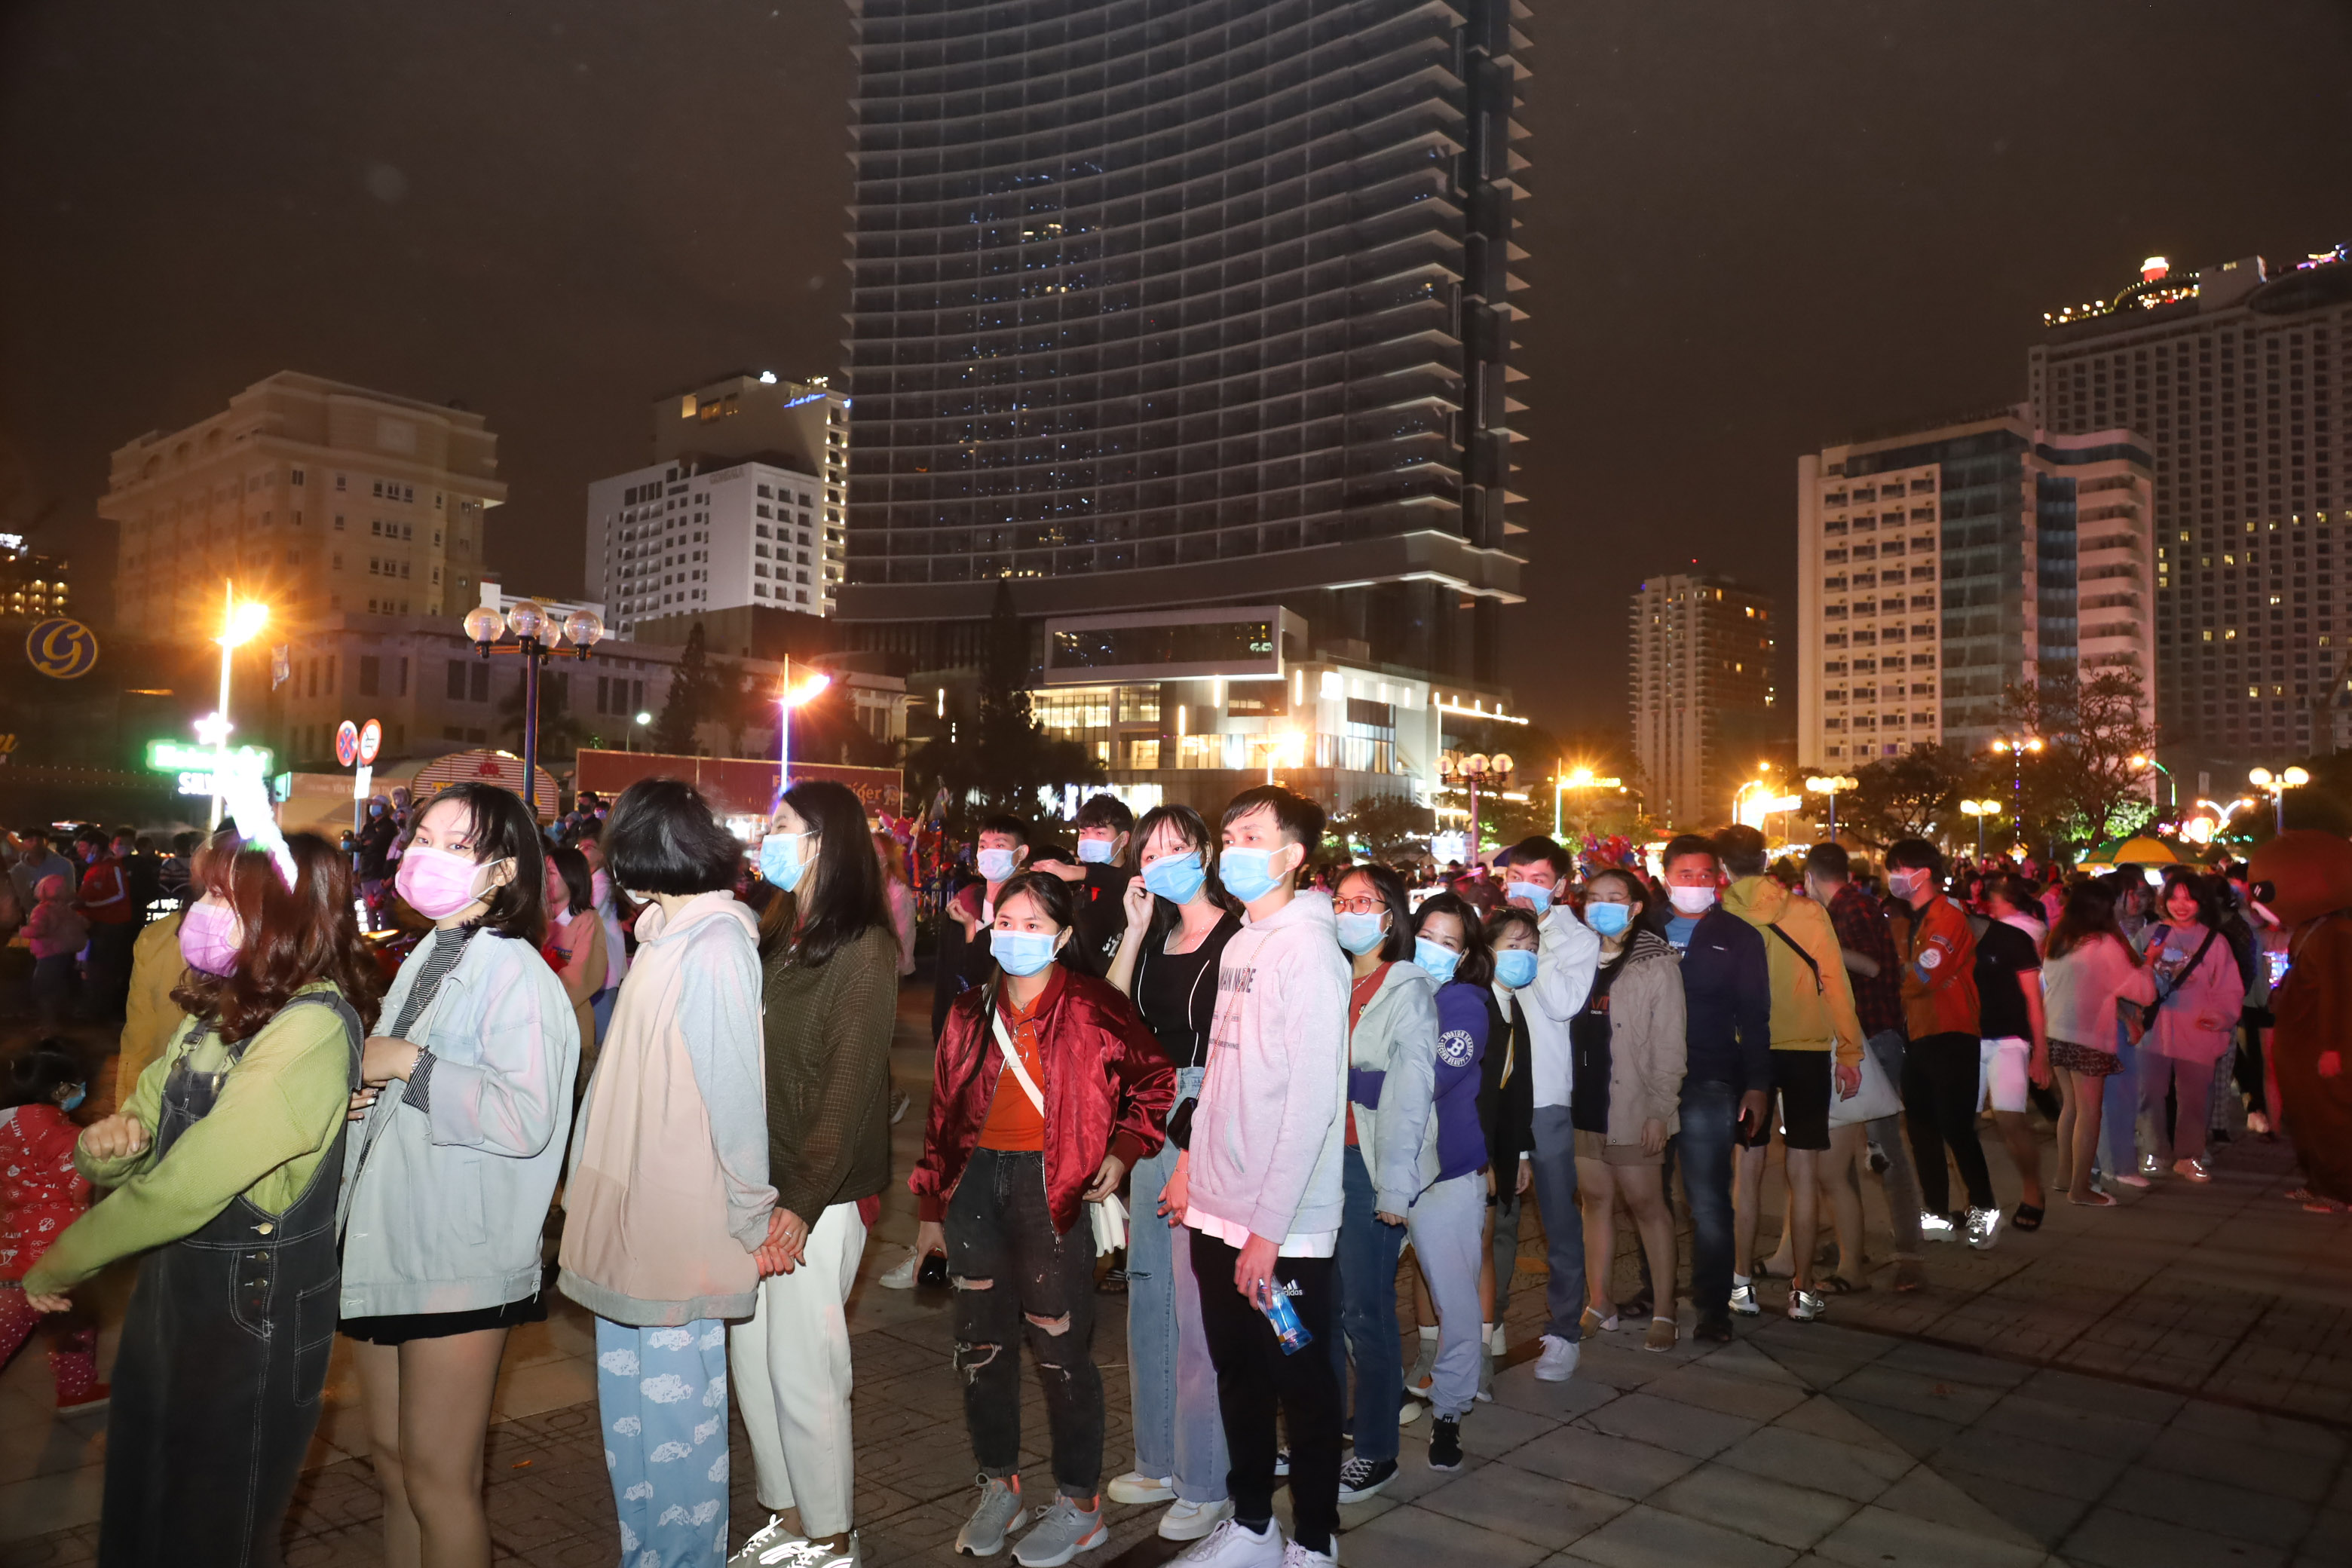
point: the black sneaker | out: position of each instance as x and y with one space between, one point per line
1444 1444
1361 1478
1714 1329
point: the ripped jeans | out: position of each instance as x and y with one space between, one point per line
1014 1276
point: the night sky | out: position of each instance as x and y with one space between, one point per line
1754 229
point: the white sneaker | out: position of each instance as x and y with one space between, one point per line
1936 1227
1984 1228
1296 1556
1190 1520
1135 1486
1231 1546
1557 1362
809 1554
902 1277
770 1544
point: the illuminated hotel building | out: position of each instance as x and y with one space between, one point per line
1703 707
33 586
1200 312
2234 375
1938 568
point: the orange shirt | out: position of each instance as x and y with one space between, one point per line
1013 1123
1360 995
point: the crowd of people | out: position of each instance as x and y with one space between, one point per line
1253 1076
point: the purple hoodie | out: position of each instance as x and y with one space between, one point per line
1461 1019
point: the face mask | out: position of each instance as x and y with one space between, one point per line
781 861
1021 951
73 1101
1096 851
1538 899
1689 901
1249 874
1608 919
1515 967
1178 879
210 935
1903 884
435 883
995 865
1363 931
375 810
1438 963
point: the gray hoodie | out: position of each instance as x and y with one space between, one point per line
1269 1129
1396 1040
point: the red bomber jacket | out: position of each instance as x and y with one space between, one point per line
1107 1089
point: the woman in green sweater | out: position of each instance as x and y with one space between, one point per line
226 1163
830 992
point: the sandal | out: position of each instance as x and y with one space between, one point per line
1764 1270
1839 1285
2027 1217
2097 1200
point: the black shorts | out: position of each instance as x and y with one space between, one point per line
1801 1083
400 1327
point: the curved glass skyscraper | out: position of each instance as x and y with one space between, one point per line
1161 305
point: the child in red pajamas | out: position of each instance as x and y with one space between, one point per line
40 1194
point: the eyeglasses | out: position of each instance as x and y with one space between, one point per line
1362 905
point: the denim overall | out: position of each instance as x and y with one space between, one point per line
223 1357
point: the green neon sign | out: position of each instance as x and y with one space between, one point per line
186 756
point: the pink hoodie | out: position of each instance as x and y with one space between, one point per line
55 929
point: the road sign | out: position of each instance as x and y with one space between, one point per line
347 744
370 742
362 782
62 650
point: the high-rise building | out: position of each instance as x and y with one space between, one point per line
315 497
741 506
2234 375
33 587
1163 309
2024 558
1704 705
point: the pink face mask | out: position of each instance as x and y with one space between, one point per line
435 883
210 936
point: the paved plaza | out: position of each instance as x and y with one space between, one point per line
2167 1383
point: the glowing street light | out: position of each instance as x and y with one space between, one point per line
2172 789
1829 785
2277 785
1580 780
1980 809
788 699
241 621
629 736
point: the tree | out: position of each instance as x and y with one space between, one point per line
1389 827
2084 784
1902 797
695 696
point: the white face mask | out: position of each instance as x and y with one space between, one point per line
1692 900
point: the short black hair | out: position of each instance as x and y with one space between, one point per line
32 1074
1106 811
1538 848
501 828
1052 895
1057 854
1916 854
1478 965
579 884
1741 850
1683 845
1300 819
663 837
1830 860
1636 887
1510 915
1005 823
2014 891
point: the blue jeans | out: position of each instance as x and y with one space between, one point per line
1179 1431
1563 1223
2119 1111
1364 1285
1710 1128
661 1397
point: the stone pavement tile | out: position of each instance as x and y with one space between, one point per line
1616 1465
1822 1416
1492 1429
2341 1498
1538 1508
1645 1537
1744 1359
2069 1471
1775 1335
2303 1474
1943 1365
2218 1508
542 1386
1923 1393
1729 1393
2329 1540
76 1548
1917 1435
1618 1366
2028 1416
1802 1458
56 1500
1415 1480
353 1546
2045 1517
1925 1495
1516 1387
1685 1428
2234 1425
1877 1537
1414 1537
2111 1538
1756 1505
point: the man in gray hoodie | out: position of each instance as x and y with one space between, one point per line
1259 1183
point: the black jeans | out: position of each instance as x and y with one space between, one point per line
1939 1105
1711 1129
1255 1380
1014 1274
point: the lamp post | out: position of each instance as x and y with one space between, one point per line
787 699
2277 785
1828 785
536 634
1474 770
629 735
241 621
1980 809
2172 789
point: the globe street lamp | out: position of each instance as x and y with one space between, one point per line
536 634
1980 809
629 736
2277 785
1474 770
2172 789
1828 785
241 621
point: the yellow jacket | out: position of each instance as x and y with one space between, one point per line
150 1016
1813 1005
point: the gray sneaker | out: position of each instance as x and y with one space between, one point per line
1062 1532
999 1514
1416 1381
770 1543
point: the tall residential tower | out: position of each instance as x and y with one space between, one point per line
1704 705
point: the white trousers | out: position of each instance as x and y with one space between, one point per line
791 1363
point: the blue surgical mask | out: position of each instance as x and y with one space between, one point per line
375 810
1515 967
1538 899
1608 919
1178 879
996 865
781 860
73 1101
1248 874
1437 962
1096 851
1363 931
1021 951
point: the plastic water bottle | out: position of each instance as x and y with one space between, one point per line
1287 1329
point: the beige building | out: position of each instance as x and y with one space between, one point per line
316 498
1703 707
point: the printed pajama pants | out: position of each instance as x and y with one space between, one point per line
661 1397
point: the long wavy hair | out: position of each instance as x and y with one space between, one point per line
292 937
840 897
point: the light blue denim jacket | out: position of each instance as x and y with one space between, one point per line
441 1208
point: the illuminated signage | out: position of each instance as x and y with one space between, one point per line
184 757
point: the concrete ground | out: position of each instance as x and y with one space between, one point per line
2168 1382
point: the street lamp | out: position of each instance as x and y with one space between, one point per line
2172 789
536 634
1474 770
2016 747
2277 785
790 698
241 621
629 736
1828 785
1580 780
1980 809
